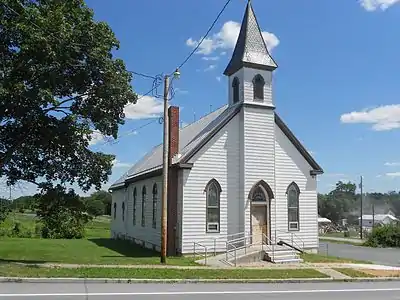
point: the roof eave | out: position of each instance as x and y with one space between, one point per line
233 67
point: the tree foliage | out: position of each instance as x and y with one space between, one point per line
105 198
343 202
384 236
59 82
4 209
62 213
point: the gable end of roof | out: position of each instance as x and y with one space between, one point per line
292 138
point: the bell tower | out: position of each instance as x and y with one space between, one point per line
251 66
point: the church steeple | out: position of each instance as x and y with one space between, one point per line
251 50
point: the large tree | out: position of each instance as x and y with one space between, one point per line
59 82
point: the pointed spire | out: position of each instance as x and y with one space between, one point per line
250 50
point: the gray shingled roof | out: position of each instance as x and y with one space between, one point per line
189 137
250 49
194 136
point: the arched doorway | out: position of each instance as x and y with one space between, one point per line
260 220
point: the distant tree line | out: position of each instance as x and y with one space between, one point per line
61 214
343 202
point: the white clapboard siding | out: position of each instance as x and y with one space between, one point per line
147 235
218 159
291 166
259 146
117 226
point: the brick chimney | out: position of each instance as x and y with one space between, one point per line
173 115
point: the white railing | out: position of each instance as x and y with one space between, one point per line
201 254
290 238
233 246
210 246
269 245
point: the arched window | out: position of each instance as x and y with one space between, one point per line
155 196
143 205
134 206
115 210
293 194
258 87
213 192
123 211
235 89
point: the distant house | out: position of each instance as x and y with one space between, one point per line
378 219
238 171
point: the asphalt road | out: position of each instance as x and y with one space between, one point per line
382 256
310 291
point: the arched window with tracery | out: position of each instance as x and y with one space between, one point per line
134 206
293 195
213 204
143 223
123 211
155 199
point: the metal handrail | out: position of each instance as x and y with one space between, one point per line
214 241
204 254
300 244
233 252
271 245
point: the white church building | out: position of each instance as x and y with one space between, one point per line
238 171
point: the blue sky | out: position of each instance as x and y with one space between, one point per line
335 86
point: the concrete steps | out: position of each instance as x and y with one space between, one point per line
252 254
282 255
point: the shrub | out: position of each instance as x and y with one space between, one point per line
384 236
62 214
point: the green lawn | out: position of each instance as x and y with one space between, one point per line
318 258
353 273
159 273
96 248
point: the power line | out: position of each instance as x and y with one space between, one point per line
205 36
130 132
143 75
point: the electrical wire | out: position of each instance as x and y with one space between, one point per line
143 75
205 36
128 133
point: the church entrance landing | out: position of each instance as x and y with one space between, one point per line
260 222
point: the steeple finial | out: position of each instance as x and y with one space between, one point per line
250 49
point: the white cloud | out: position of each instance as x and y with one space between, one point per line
212 58
96 137
146 107
394 174
385 117
118 164
223 53
218 78
372 5
378 176
226 39
392 164
210 68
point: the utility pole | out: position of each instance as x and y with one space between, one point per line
164 199
361 209
164 203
